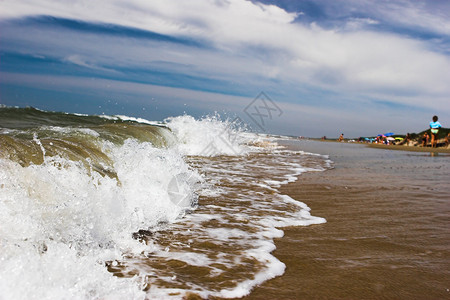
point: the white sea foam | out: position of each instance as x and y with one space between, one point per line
133 119
62 222
209 136
69 130
263 210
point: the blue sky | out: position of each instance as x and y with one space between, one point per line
358 67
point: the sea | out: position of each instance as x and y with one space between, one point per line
116 207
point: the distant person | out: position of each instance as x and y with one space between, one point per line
434 128
447 140
425 139
406 140
341 137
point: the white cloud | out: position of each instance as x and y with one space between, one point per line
359 23
83 62
417 14
176 17
425 15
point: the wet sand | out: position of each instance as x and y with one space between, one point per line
387 234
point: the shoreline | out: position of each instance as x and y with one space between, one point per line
409 148
393 147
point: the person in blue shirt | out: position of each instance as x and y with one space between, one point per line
434 128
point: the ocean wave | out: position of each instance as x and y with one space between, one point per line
88 205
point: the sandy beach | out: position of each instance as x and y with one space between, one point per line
387 232
397 147
410 148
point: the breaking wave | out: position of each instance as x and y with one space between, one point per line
80 194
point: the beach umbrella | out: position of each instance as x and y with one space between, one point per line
399 138
389 134
390 139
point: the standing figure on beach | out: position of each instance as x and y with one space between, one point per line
341 137
434 128
425 139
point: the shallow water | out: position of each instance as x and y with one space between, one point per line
223 248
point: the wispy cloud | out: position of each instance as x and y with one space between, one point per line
83 62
